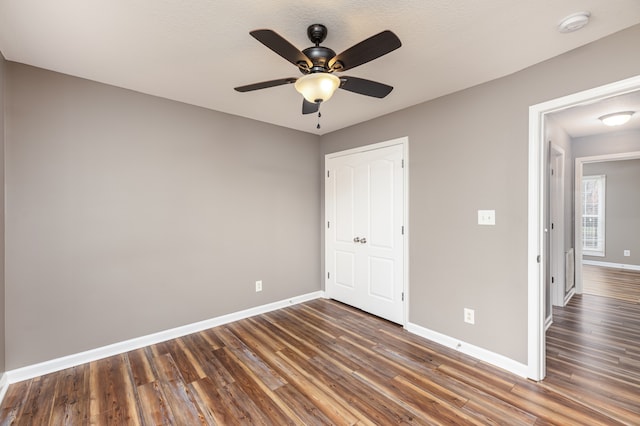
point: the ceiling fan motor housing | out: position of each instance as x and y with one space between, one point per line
320 57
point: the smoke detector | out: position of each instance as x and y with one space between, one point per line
574 22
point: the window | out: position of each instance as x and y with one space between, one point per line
593 206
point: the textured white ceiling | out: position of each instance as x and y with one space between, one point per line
197 51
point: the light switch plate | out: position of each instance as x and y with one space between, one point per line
486 217
627 252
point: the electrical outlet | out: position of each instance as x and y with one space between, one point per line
258 286
627 252
469 316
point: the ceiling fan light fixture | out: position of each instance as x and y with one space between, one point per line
317 87
617 118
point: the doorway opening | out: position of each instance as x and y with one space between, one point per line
537 237
581 163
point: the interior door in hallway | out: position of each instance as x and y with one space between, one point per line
364 208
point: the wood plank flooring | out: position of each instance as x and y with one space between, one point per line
610 282
593 355
322 362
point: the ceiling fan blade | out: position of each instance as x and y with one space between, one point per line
309 107
365 51
282 47
265 84
365 87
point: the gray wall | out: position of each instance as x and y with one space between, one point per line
2 305
129 214
607 143
559 137
469 151
622 227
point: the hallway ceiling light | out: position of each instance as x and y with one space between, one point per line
574 22
617 118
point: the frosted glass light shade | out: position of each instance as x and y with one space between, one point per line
617 118
317 87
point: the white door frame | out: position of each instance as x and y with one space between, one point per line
404 141
537 205
556 221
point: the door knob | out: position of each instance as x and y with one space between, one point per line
363 240
356 240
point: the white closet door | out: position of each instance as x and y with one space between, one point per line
364 235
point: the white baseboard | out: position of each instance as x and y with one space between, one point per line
611 265
569 295
35 370
4 385
471 350
548 322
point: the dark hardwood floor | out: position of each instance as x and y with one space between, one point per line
610 282
325 363
593 355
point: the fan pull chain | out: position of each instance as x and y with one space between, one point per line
319 115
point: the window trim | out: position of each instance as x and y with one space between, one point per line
602 179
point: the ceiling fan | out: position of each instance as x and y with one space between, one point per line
318 65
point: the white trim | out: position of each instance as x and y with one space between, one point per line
535 259
404 141
577 225
399 141
556 200
479 353
611 265
593 253
4 385
569 295
535 280
602 216
73 360
548 322
405 154
609 157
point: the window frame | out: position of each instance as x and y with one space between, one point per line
599 251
